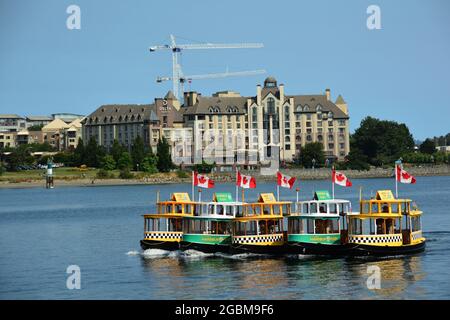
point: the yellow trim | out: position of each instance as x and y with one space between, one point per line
275 243
167 215
259 217
375 216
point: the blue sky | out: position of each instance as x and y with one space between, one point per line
401 72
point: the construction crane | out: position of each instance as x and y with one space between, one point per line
177 74
183 79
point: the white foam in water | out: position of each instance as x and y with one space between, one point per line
132 253
155 253
195 254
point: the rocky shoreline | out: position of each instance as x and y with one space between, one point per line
301 174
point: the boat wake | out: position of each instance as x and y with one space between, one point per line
193 254
133 253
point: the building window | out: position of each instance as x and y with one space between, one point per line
308 124
342 122
320 137
319 123
319 108
341 145
308 138
330 146
286 113
288 147
254 114
271 105
306 108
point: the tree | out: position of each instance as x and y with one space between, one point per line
79 153
149 164
427 146
36 127
108 163
116 150
125 162
20 156
382 141
138 152
164 163
93 153
309 152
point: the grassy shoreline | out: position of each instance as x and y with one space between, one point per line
75 177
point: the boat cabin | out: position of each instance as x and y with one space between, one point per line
261 222
318 220
166 223
211 223
386 221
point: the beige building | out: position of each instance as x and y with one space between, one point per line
268 125
62 135
7 139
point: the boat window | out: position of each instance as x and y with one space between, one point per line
240 228
322 207
415 224
286 209
313 207
211 209
179 208
356 226
374 208
395 208
266 209
220 227
294 226
305 208
397 225
168 208
220 210
229 210
333 208
174 225
389 226
310 226
405 207
343 208
250 228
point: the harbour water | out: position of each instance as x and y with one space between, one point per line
42 232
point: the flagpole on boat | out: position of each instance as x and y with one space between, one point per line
296 203
332 181
192 192
237 188
396 178
278 193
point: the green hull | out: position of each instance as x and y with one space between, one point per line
315 238
208 238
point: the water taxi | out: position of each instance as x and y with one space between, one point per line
316 226
164 229
385 226
259 229
209 228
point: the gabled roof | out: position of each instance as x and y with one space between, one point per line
170 96
55 125
314 100
219 105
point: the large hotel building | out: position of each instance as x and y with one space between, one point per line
227 127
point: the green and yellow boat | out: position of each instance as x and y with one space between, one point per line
317 226
209 229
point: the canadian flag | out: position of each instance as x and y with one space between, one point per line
285 181
203 181
340 179
245 182
403 176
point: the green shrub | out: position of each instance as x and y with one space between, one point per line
125 174
103 174
182 174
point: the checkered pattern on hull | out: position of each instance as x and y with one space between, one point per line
163 235
377 239
258 239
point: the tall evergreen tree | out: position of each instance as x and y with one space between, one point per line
116 150
138 152
164 163
94 153
79 153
